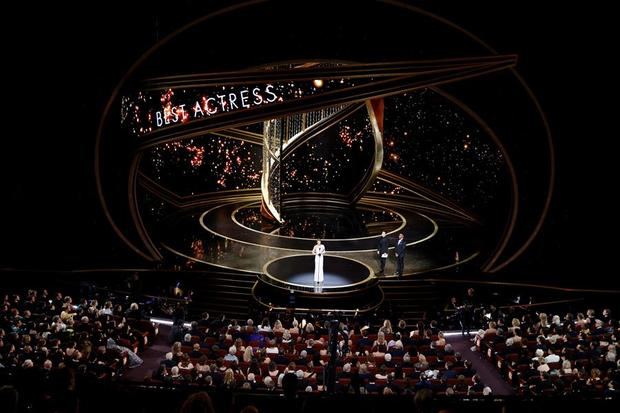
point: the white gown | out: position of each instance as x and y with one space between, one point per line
318 252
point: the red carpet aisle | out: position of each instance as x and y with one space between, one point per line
488 374
151 357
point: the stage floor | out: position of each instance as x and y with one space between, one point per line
215 235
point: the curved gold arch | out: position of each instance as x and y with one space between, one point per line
511 170
275 159
491 267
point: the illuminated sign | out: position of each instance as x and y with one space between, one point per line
216 103
143 112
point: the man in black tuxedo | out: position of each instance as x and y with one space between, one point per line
400 254
467 311
382 251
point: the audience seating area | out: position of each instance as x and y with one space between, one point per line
51 346
554 355
375 360
47 340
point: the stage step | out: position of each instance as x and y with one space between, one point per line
231 294
223 287
410 299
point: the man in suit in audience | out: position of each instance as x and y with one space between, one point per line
467 311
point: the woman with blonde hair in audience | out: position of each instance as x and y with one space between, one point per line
294 327
67 312
248 354
566 367
386 328
422 364
277 327
380 344
515 323
176 350
229 379
492 329
286 337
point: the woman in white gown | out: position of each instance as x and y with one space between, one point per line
318 251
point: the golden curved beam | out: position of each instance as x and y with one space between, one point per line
373 89
342 70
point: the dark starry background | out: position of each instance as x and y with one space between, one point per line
62 62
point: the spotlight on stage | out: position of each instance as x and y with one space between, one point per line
288 282
296 273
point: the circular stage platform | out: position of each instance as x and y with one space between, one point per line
297 272
288 282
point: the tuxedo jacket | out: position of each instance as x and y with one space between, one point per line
383 245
